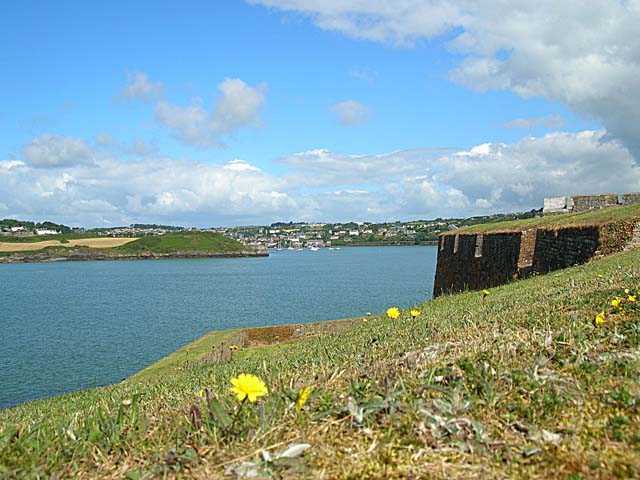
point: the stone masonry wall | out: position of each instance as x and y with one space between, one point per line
561 248
477 261
630 198
582 203
471 262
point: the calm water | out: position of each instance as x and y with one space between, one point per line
67 326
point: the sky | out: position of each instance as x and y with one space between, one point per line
200 113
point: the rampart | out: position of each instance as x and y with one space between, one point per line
470 261
582 203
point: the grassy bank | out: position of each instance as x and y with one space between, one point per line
595 217
168 244
183 242
521 383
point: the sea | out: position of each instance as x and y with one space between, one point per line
72 325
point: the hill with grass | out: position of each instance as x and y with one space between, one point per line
536 379
183 244
590 218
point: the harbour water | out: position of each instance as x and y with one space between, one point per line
68 326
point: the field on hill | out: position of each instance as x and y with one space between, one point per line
102 242
536 379
170 243
182 242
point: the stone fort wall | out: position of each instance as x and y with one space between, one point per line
476 261
582 203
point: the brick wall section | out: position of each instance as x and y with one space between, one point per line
582 203
630 198
527 248
505 256
565 247
464 270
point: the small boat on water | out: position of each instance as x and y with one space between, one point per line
314 249
291 248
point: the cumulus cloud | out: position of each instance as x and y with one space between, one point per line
585 55
508 177
57 151
137 147
550 121
239 106
351 113
139 87
324 168
318 185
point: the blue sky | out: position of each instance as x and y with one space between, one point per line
230 112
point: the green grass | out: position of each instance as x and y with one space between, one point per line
191 353
518 385
41 238
612 214
182 242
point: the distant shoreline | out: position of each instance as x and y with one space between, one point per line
75 255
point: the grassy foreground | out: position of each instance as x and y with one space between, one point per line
520 384
594 217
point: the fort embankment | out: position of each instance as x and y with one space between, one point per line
473 259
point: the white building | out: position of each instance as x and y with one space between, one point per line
44 231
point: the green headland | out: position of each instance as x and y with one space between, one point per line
89 247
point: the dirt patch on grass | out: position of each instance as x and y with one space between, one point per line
85 242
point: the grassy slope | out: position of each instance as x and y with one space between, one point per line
521 384
585 218
182 242
189 353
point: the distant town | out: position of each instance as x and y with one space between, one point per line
283 234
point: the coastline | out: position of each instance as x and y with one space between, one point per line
76 255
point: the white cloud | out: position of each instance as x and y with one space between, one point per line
57 151
511 177
324 168
351 113
364 74
238 106
550 121
139 87
319 185
586 55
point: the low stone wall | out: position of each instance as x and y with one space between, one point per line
477 261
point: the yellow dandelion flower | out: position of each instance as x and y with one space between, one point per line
485 293
248 386
277 337
303 396
599 319
393 312
368 314
365 320
631 298
415 313
233 348
600 275
615 303
200 393
626 291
